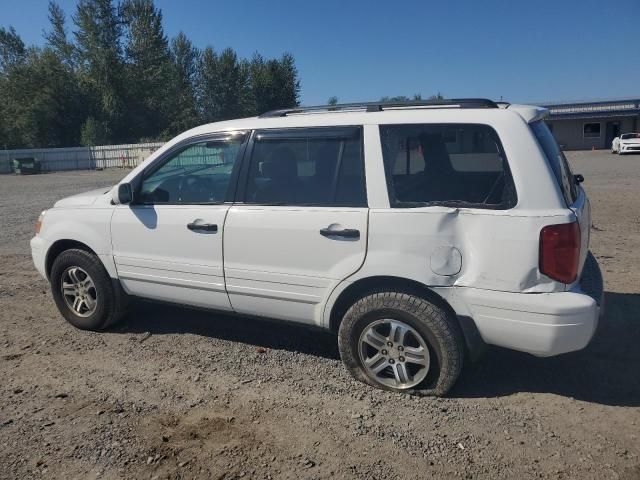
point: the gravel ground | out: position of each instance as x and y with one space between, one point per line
177 393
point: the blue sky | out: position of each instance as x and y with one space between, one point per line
362 50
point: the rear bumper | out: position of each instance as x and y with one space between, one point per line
543 324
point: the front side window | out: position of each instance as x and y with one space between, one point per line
197 173
452 164
316 167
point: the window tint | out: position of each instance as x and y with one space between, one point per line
446 164
557 160
313 169
198 173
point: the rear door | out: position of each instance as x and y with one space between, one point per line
301 224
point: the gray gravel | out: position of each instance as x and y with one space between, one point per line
179 393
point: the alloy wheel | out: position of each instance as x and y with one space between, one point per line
79 291
394 353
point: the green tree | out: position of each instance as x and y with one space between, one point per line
185 58
207 83
149 71
100 63
287 83
332 100
94 132
224 86
42 99
12 48
261 84
12 53
57 37
232 91
116 78
274 83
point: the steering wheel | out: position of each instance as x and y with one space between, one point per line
194 188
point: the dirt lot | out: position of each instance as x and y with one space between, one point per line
175 393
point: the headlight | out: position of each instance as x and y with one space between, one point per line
39 222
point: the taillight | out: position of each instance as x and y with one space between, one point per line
560 251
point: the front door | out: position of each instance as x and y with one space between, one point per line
302 225
167 245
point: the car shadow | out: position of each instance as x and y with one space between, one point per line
606 372
158 319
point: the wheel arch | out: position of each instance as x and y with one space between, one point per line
473 340
60 246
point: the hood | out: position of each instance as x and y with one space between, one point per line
82 199
630 140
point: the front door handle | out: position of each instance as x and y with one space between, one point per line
344 233
202 227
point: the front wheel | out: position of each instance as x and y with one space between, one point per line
83 291
401 342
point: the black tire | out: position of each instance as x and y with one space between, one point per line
441 333
111 301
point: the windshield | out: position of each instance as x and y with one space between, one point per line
557 160
626 136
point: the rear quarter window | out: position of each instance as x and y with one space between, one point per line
446 164
557 161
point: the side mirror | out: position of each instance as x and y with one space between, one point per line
578 178
124 194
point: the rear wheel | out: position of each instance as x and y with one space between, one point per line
83 291
401 342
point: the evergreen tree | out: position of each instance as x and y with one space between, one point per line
12 54
42 99
100 61
57 38
149 70
185 58
233 85
274 83
286 82
117 79
12 49
260 82
207 82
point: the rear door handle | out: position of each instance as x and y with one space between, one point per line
344 233
203 227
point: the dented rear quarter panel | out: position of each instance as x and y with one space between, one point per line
498 249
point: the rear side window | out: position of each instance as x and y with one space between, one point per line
315 166
452 164
557 161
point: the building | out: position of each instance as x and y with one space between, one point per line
587 125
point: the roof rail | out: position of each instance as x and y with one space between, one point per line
380 106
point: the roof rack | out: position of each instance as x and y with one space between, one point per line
380 106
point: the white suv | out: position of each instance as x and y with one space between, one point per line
416 232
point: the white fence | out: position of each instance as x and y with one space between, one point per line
80 158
